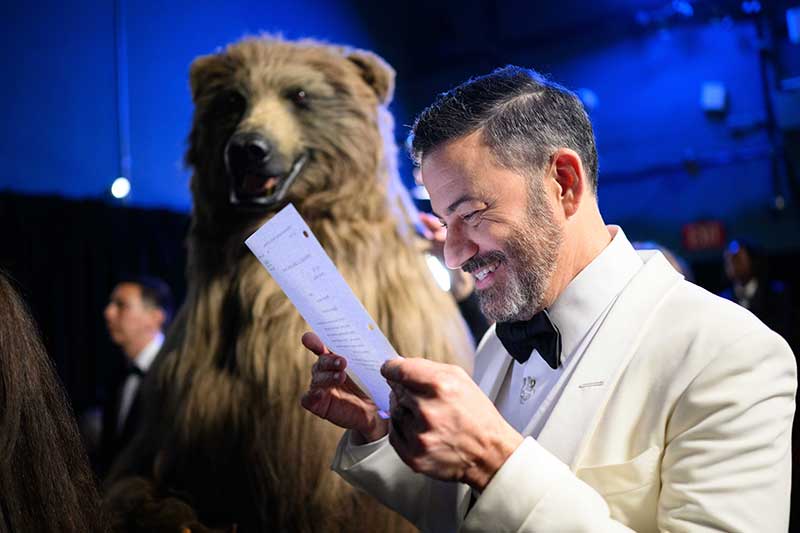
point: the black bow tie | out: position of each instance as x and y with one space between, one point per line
133 370
520 339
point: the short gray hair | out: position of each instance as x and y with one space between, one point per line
523 118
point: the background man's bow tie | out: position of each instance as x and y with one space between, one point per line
133 370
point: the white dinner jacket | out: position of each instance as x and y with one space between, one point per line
678 418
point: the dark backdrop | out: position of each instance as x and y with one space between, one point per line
66 256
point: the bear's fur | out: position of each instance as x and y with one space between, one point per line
224 430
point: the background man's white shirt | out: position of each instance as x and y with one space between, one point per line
142 361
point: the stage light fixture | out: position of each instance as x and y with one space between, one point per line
120 188
714 97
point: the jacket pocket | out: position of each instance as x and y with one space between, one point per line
619 478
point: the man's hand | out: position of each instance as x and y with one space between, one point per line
443 425
333 396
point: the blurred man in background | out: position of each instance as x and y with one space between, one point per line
137 313
751 287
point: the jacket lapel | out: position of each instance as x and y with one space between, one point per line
131 420
491 368
575 415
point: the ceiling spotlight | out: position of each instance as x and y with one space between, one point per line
120 188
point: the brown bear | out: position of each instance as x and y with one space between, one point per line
276 122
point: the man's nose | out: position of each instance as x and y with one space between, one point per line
458 247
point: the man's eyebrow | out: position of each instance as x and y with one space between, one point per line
452 207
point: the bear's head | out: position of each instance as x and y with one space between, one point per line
278 121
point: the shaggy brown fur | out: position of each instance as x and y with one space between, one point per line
225 431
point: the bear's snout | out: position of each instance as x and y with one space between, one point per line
247 152
258 173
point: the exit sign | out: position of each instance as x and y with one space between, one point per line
704 235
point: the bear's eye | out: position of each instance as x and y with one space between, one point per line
229 103
299 97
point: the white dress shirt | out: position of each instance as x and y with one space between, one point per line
142 361
744 293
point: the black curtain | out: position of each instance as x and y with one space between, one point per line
66 256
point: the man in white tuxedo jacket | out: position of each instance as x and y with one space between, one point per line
611 395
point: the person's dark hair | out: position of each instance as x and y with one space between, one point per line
523 118
45 480
758 263
155 292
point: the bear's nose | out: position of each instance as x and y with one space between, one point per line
247 150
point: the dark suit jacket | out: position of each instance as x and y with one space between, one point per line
113 441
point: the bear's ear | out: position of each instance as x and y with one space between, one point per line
376 72
204 70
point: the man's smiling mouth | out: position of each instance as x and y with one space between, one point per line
481 273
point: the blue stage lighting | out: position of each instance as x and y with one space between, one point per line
751 7
683 7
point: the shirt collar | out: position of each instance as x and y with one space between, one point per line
145 358
746 291
595 287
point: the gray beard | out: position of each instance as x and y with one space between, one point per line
530 260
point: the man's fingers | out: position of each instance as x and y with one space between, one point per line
322 379
311 400
314 343
396 399
430 222
329 363
414 374
397 437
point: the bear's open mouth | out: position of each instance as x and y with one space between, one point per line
253 188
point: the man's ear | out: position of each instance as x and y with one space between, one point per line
159 317
376 72
204 71
567 169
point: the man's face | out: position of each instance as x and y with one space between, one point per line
738 266
499 228
130 321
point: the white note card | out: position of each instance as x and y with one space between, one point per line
296 260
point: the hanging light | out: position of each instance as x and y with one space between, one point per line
120 188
